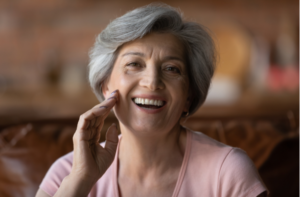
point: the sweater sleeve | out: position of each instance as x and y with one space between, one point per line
238 176
57 172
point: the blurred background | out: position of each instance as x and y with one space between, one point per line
253 102
44 49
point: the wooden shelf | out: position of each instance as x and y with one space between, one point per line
51 103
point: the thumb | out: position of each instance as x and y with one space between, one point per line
112 139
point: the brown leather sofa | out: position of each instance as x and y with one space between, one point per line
27 150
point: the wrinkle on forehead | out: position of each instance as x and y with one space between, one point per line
169 45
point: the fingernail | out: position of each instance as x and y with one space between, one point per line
103 107
112 98
113 92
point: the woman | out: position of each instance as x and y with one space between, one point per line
153 69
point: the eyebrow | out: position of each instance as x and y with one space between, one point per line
143 55
173 58
134 53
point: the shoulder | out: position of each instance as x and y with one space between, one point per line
210 149
204 146
205 154
56 173
199 137
227 171
238 175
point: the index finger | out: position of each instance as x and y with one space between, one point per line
99 111
113 96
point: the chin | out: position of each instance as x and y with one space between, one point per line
144 127
139 123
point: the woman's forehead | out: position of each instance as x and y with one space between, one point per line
164 43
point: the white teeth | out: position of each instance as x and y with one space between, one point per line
159 103
148 102
151 102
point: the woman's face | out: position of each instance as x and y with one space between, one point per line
151 76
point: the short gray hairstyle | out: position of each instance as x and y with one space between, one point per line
199 47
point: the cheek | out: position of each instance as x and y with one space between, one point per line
180 87
180 91
125 84
117 80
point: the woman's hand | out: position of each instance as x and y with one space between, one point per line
90 159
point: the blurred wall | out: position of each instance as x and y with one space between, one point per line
44 44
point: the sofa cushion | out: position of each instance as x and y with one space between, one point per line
26 153
28 150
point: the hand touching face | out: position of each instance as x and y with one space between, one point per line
90 159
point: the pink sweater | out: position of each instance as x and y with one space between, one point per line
209 168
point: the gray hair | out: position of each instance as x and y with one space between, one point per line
199 47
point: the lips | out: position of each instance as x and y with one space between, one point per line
149 103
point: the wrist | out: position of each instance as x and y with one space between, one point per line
73 185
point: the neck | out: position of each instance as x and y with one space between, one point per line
142 153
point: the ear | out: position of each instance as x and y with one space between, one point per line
105 89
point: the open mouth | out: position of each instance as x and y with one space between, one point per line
149 103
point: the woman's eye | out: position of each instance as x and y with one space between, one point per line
173 69
133 64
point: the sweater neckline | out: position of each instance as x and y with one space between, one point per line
182 171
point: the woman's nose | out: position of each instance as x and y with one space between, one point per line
151 79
